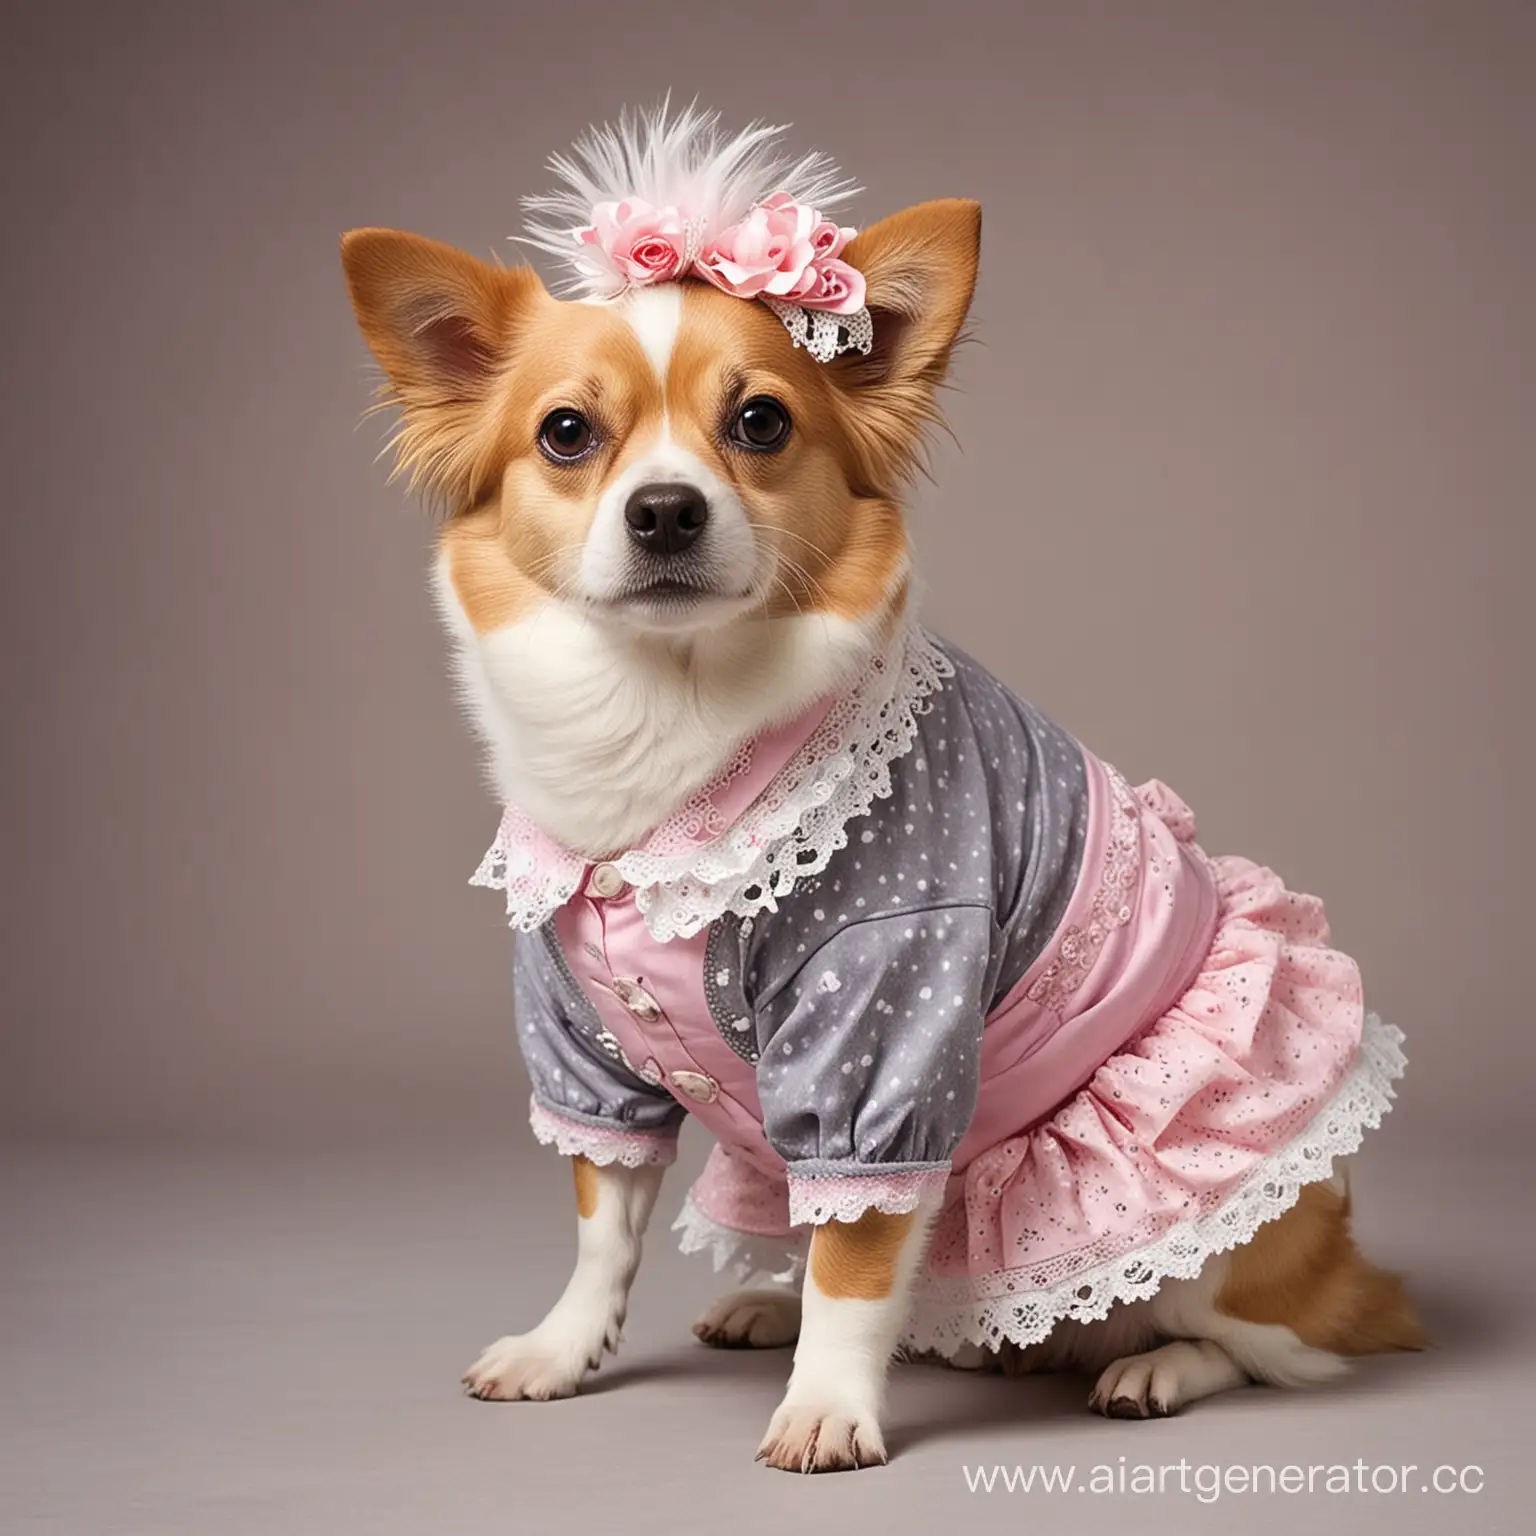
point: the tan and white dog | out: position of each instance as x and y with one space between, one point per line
667 526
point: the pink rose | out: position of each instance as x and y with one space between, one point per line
829 239
774 252
630 244
839 288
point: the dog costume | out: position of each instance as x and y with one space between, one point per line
919 939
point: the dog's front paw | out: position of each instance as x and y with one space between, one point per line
529 1366
822 1437
762 1319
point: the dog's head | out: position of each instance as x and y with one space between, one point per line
665 458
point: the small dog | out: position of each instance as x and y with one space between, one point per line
1002 1067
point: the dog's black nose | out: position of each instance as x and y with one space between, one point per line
666 519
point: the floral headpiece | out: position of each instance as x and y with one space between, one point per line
655 200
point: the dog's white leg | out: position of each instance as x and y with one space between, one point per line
857 1291
753 1319
613 1205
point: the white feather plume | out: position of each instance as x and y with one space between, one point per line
685 160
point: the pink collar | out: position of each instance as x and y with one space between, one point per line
531 857
748 773
724 849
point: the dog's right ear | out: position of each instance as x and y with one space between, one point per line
443 327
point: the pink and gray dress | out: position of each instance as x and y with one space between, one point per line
920 940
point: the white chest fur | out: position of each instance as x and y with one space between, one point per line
598 732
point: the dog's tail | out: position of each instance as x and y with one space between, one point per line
1303 1270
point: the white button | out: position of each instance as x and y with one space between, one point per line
698 1087
636 999
606 882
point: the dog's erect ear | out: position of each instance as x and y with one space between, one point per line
920 268
443 327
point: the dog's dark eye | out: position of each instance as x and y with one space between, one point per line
762 424
565 434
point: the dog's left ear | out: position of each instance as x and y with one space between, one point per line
920 269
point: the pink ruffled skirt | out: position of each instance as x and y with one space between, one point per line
1193 1130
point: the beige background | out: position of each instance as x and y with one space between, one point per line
1242 493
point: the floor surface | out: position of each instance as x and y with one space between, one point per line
271 1342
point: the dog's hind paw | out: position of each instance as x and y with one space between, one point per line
1162 1381
762 1319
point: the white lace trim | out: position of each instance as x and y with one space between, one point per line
789 832
598 1144
745 1255
535 886
825 335
951 1311
846 1197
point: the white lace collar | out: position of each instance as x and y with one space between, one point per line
711 856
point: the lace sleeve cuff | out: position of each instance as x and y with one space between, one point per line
831 1192
601 1142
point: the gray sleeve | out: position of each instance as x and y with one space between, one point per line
575 1067
871 1050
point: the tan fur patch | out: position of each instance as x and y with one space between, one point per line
857 1259
524 542
920 265
1303 1271
442 326
839 552
584 1172
490 588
